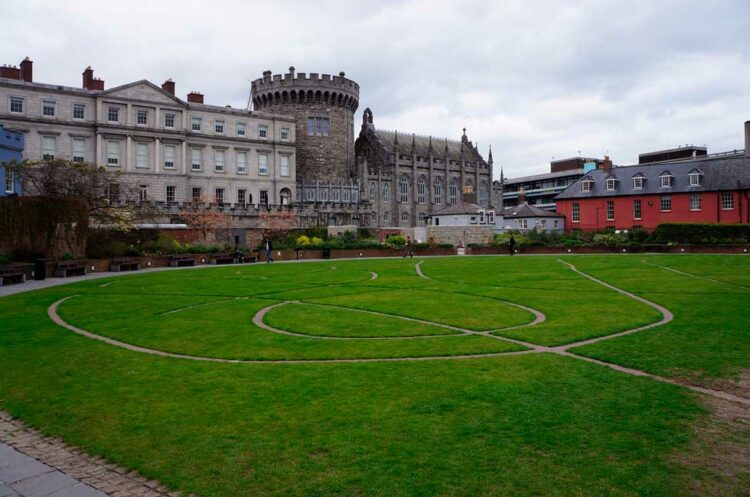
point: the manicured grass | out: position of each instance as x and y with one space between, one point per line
534 424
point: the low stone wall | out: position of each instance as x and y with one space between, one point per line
460 235
291 254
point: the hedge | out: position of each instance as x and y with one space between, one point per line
697 233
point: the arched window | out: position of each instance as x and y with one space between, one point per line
469 186
422 190
386 192
385 216
286 195
403 188
483 194
437 190
405 217
373 190
453 192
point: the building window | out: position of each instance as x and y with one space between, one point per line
171 196
610 210
16 105
666 203
219 127
453 192
219 196
638 183
48 108
263 164
523 224
79 111
49 147
143 193
284 165
113 114
262 131
79 147
386 192
240 129
10 181
219 161
385 217
483 193
586 185
666 180
405 217
241 196
422 190
695 201
141 117
318 126
611 184
556 224
694 179
373 190
637 209
403 189
241 162
285 195
264 197
113 193
196 194
727 201
113 153
170 153
195 159
169 120
141 155
285 134
437 191
576 213
196 123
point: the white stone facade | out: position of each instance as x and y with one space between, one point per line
149 135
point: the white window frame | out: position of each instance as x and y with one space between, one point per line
284 165
665 181
694 179
242 196
12 100
219 195
141 155
263 164
727 201
610 210
113 111
219 160
167 117
82 108
241 162
196 159
611 184
170 156
638 183
575 213
637 209
113 153
46 149
586 185
523 224
665 199
49 104
174 194
79 147
696 202
141 113
262 131
196 123
241 129
219 126
284 134
10 181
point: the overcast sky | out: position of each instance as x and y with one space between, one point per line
535 79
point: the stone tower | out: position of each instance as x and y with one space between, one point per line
324 109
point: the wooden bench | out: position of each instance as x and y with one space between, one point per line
124 264
182 260
222 259
250 257
10 275
70 268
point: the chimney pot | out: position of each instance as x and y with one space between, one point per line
195 97
27 70
10 72
90 82
168 86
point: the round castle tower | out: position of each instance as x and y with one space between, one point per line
324 108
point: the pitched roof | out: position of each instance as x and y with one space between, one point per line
725 172
526 210
459 208
422 144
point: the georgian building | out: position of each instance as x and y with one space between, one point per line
406 177
172 150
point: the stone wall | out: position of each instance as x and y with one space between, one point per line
460 235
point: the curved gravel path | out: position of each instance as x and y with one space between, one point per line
418 268
683 273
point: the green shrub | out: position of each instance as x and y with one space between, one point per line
303 241
395 240
473 245
697 233
445 245
422 245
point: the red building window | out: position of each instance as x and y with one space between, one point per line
666 203
637 214
576 215
695 201
610 210
727 201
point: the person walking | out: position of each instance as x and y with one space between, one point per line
512 245
269 250
408 249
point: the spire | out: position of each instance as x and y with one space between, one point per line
429 147
445 151
413 143
395 137
502 178
489 159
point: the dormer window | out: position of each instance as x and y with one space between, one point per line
694 177
586 184
666 180
638 182
611 184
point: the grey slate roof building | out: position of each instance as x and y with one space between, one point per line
527 211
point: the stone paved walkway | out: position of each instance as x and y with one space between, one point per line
32 465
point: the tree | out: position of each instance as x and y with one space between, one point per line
201 217
102 190
278 224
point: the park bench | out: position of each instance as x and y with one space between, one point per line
70 268
250 257
181 260
10 275
222 259
124 264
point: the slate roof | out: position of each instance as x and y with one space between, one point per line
422 143
720 173
526 210
459 208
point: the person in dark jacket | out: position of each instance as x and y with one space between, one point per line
512 245
269 250
408 249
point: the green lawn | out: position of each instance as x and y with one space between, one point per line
532 424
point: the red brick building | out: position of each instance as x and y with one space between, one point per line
704 189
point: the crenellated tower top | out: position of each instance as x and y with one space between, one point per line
293 87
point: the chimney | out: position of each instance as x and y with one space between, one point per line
747 139
521 196
195 97
90 82
168 86
27 70
606 164
10 72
